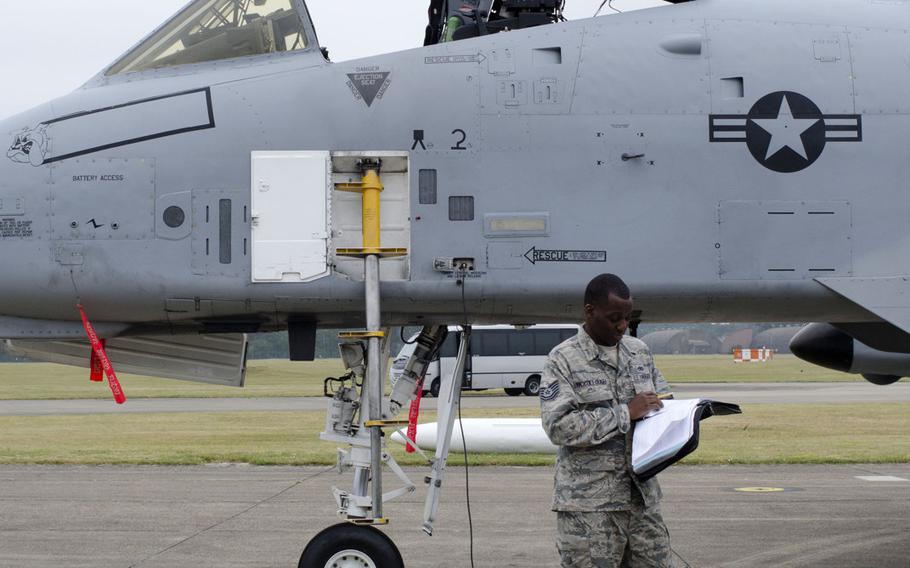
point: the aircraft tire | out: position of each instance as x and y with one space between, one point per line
532 386
434 388
514 392
346 545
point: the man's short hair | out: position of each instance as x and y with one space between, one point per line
600 288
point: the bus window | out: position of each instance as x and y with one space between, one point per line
545 340
567 334
449 347
494 343
521 342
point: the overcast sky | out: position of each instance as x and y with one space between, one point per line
50 47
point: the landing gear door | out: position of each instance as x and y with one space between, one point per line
289 216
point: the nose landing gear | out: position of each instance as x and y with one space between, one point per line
347 545
358 412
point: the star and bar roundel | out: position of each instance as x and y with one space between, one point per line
785 131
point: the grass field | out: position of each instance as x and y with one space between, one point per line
276 378
835 433
764 434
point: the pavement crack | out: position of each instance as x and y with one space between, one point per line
232 517
818 549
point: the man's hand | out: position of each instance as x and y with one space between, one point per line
643 404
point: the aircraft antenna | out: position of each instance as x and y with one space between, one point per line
609 4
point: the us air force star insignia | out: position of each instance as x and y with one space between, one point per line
785 131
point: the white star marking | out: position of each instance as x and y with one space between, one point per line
786 131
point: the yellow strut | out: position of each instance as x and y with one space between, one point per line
370 187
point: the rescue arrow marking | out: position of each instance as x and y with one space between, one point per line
536 255
444 59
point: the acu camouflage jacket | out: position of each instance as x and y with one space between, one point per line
584 406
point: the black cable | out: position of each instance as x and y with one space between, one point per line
403 340
467 487
678 555
681 558
464 444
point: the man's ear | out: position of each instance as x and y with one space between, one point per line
588 309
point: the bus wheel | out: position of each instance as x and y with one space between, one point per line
434 388
532 386
514 392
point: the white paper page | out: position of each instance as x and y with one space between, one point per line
663 433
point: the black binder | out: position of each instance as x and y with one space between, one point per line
705 409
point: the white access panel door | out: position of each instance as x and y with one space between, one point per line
289 216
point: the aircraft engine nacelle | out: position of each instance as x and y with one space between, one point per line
824 345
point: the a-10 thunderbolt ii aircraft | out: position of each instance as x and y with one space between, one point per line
734 160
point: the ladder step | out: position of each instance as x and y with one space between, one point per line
361 334
364 252
369 522
384 423
355 186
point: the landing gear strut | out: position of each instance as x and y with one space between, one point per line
358 411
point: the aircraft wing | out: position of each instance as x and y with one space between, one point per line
212 359
887 298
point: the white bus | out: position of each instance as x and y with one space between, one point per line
502 357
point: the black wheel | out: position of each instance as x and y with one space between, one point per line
514 392
351 546
532 386
434 388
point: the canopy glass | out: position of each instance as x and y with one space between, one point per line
210 30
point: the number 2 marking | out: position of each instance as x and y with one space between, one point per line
464 136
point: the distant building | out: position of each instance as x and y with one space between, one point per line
682 342
740 339
777 338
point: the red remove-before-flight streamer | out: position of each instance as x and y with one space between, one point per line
412 417
99 353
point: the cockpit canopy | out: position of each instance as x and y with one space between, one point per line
211 30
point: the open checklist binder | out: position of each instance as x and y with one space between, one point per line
668 435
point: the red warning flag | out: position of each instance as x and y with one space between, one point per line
98 351
412 417
97 371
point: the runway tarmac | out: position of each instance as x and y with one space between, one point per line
739 393
232 515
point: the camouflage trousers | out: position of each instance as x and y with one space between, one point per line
614 539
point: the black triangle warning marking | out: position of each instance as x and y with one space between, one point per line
368 84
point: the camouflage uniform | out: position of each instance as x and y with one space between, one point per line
603 513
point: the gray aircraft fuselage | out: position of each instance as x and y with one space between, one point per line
723 157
